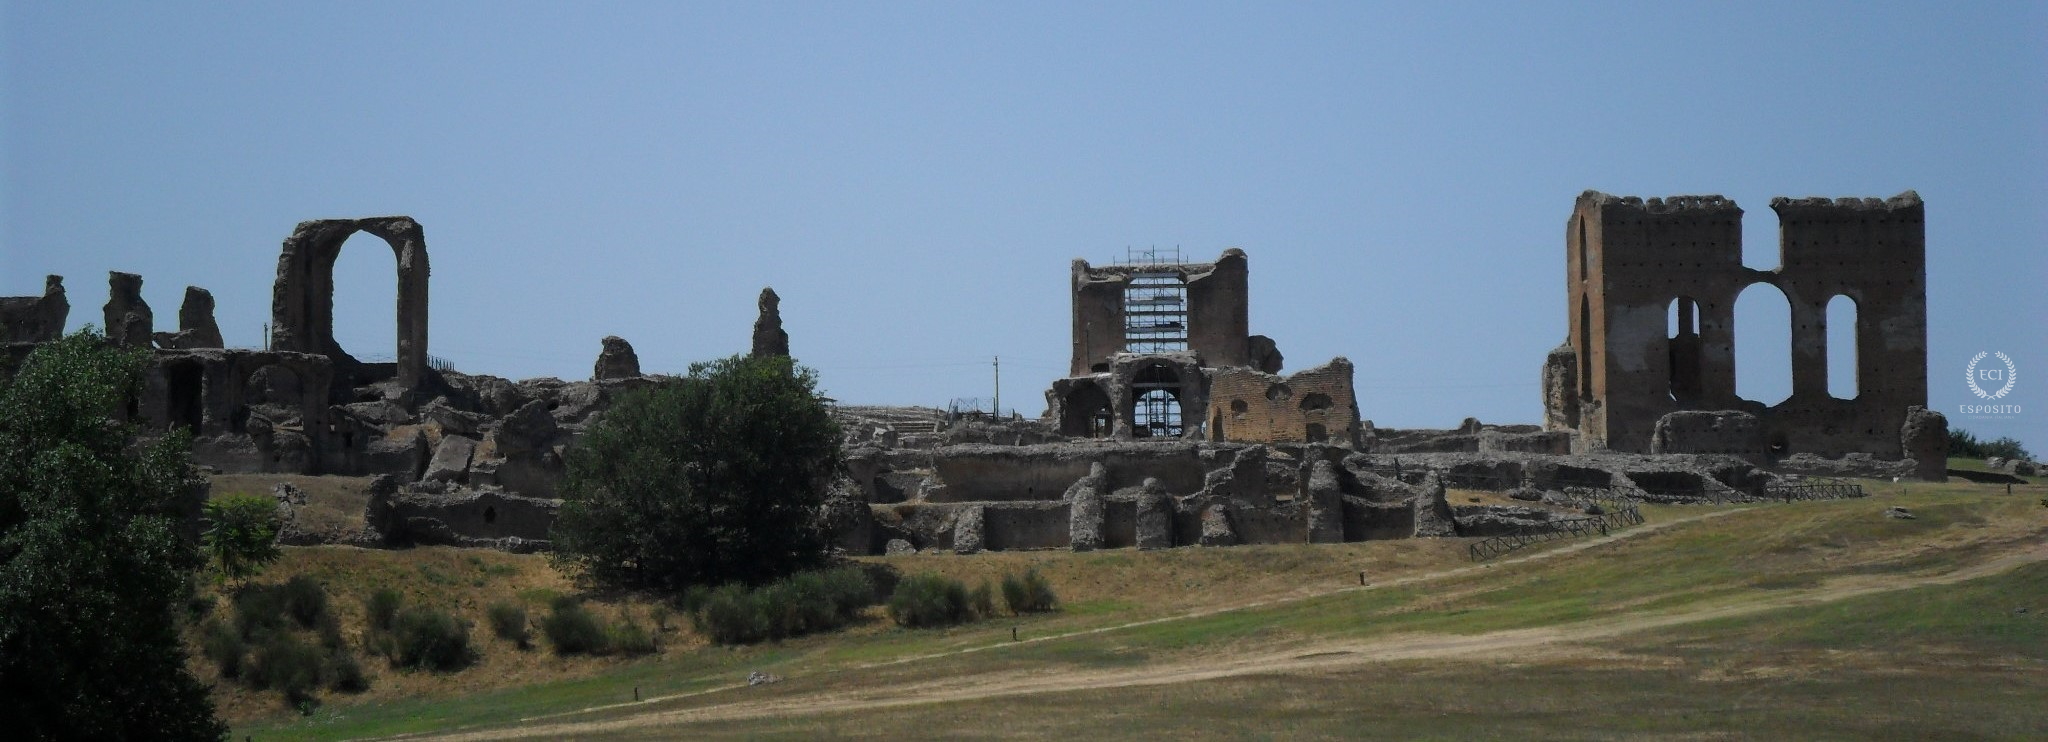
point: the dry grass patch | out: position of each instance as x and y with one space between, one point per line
333 504
463 582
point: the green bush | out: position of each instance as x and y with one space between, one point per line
660 614
285 664
424 638
381 608
241 534
982 600
925 600
328 628
259 611
343 673
732 615
224 646
573 630
508 621
1029 593
628 637
804 603
305 600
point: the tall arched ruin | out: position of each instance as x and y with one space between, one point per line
302 299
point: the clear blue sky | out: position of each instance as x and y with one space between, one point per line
914 178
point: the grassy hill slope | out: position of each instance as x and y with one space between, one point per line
1811 619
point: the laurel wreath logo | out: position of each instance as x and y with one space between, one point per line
2011 375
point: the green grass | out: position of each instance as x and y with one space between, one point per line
1762 552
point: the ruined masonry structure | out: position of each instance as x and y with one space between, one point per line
1632 264
1162 349
302 301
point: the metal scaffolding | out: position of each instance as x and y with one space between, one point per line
1155 302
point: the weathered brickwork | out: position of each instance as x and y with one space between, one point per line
1631 263
1315 405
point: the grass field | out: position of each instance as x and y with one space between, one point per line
1805 620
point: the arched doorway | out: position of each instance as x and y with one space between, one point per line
1086 412
1155 393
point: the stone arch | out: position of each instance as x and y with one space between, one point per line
1156 398
1763 343
1683 352
302 299
1086 412
1843 331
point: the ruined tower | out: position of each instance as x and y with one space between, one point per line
1633 265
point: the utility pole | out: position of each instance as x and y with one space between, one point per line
999 386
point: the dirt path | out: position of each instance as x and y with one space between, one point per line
1315 658
1542 555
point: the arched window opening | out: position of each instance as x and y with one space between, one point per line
1585 348
1843 381
1156 412
1682 339
1086 413
1583 247
366 299
1763 344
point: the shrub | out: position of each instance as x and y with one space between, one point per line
224 647
381 608
286 664
982 600
508 621
731 615
804 603
260 610
2006 447
241 534
329 630
305 600
1029 593
344 673
660 614
424 638
925 600
629 638
572 629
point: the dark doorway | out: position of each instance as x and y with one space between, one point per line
183 398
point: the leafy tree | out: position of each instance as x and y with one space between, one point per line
94 558
242 536
715 477
1964 444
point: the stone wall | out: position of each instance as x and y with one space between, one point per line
1313 406
35 319
1218 311
1629 262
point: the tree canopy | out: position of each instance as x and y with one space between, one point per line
94 558
715 477
241 535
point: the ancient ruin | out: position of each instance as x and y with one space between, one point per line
1174 426
1652 288
769 339
1162 349
302 302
